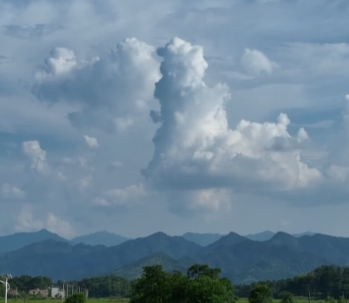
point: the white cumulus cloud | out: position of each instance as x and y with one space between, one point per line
195 149
127 196
26 222
114 88
255 62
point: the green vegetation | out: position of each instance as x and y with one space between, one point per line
325 282
329 284
76 298
135 269
287 297
201 284
260 294
91 300
106 286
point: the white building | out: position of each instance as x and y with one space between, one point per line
57 292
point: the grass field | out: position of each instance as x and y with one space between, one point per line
109 300
296 300
91 300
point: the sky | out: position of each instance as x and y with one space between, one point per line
176 116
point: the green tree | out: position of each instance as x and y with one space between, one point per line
341 299
152 287
330 300
197 270
260 293
287 297
201 284
76 298
179 291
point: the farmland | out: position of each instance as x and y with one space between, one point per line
91 300
111 300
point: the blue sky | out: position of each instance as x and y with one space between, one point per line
204 116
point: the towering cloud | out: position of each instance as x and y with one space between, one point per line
196 150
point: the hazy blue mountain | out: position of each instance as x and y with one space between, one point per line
267 235
60 260
262 236
307 233
100 238
241 259
226 241
202 239
244 261
19 240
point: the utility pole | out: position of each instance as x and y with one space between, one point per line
63 292
6 288
308 289
6 284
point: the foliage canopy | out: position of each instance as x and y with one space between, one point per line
201 284
260 293
76 298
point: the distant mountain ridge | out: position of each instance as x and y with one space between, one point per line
267 235
22 239
60 260
262 236
208 238
202 239
242 260
100 238
19 240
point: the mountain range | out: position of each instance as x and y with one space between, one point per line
19 240
207 239
241 259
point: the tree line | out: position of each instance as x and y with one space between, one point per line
201 283
324 282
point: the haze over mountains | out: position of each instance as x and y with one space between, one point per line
240 258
